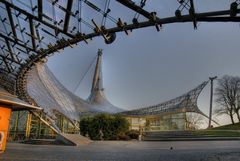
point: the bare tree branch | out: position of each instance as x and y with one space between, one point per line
228 96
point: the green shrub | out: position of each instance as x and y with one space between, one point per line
133 134
123 137
110 125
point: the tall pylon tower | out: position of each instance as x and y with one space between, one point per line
97 97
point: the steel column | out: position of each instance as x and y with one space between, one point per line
40 9
28 125
67 16
211 98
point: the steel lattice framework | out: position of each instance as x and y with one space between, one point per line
31 30
185 103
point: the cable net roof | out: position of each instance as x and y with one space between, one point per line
185 103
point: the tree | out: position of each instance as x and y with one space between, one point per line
194 121
111 126
228 96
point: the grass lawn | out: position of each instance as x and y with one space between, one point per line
221 131
228 127
216 133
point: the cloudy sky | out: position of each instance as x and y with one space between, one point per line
150 67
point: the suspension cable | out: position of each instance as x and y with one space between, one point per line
80 81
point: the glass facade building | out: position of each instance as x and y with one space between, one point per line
167 122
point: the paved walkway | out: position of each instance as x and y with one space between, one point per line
127 151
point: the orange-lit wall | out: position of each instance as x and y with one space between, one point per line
4 125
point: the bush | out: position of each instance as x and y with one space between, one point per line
133 134
110 125
123 137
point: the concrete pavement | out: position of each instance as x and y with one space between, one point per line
127 151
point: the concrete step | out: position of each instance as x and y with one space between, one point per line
168 133
204 138
42 142
161 135
73 139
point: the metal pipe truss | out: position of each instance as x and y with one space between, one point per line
32 31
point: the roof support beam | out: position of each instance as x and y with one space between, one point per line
6 58
3 56
5 81
35 18
40 9
192 13
7 65
32 33
130 4
17 42
8 75
67 16
11 21
9 49
219 19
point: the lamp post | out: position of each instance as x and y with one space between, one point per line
211 98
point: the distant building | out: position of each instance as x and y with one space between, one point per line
165 122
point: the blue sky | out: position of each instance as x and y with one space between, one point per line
150 67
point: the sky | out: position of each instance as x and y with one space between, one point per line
149 67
